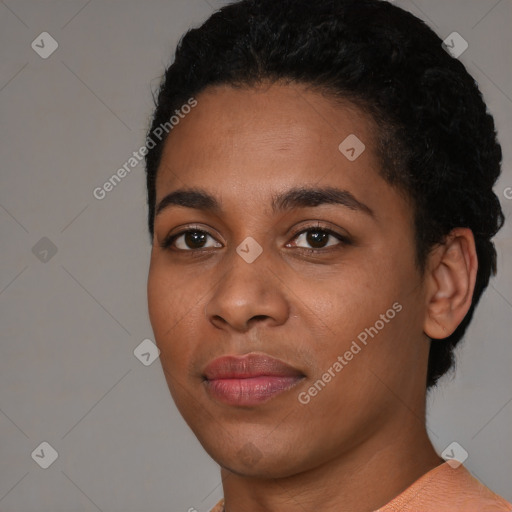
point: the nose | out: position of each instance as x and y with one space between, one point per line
248 293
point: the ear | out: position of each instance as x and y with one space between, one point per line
450 281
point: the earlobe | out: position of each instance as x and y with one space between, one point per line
450 282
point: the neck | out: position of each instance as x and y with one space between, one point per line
361 480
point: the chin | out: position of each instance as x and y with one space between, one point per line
245 458
264 469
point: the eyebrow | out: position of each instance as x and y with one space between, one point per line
294 198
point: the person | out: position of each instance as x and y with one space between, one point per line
320 209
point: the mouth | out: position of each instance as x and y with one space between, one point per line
249 380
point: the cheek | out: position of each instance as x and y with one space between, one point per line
173 306
160 301
359 303
347 299
171 294
171 314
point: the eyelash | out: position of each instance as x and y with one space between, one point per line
169 240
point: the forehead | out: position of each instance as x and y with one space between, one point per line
268 137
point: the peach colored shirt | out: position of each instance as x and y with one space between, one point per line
442 489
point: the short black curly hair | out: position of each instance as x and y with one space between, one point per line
437 142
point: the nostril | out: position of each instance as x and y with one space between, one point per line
260 317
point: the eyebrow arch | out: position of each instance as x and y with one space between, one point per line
305 197
294 198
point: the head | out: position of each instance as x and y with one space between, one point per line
353 158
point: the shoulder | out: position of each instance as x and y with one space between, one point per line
443 489
219 507
448 489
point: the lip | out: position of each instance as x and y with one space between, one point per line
250 379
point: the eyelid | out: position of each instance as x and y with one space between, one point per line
320 226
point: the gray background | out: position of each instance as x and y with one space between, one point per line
70 324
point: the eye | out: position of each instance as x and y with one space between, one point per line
189 240
318 238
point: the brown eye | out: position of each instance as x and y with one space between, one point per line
318 238
194 239
190 240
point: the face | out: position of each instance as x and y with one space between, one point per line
283 293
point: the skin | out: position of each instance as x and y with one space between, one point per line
361 440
